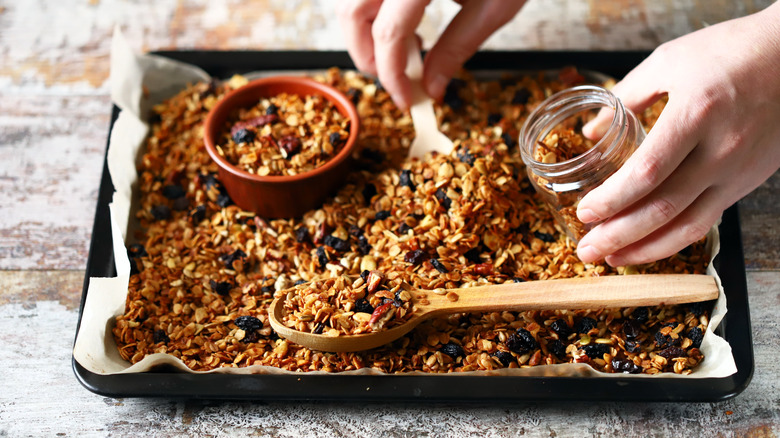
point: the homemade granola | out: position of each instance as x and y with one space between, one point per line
286 134
204 271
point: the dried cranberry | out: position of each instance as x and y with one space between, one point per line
322 256
445 202
544 237
362 305
415 257
672 352
695 335
160 335
382 214
561 328
369 191
631 328
405 179
625 366
248 323
585 325
452 350
336 243
596 351
173 191
504 357
161 212
221 287
521 96
302 234
243 136
289 145
557 348
521 341
438 266
472 255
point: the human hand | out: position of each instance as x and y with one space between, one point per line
377 31
717 139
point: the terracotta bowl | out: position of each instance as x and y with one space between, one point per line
283 196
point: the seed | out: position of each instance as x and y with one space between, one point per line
452 296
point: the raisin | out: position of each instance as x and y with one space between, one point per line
322 256
155 118
267 289
472 255
209 180
406 179
465 156
181 204
521 341
251 337
382 214
369 191
364 274
318 328
508 140
672 352
452 350
557 348
518 280
136 250
561 328
415 257
504 357
585 325
160 335
372 155
299 282
248 323
302 234
243 136
403 228
521 96
334 242
228 259
494 118
354 95
631 328
625 366
355 231
363 246
699 308
272 109
640 314
221 287
451 96
198 214
161 212
335 139
173 191
596 351
662 340
223 199
439 266
633 346
696 336
289 145
544 237
445 202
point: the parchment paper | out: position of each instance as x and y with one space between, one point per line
140 81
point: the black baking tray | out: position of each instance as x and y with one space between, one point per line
735 327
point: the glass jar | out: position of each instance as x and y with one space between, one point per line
548 133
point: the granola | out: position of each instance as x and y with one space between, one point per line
204 271
286 134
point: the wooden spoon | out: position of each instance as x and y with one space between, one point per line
427 138
574 293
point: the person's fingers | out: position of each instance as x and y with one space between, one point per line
475 22
394 25
690 226
356 17
674 136
652 212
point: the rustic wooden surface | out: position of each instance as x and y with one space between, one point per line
54 116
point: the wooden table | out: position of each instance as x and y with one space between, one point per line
54 117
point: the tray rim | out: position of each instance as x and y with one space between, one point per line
398 387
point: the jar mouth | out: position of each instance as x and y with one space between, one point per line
561 106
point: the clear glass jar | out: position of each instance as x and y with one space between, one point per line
563 183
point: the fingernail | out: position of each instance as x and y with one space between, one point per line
587 215
437 85
588 254
615 261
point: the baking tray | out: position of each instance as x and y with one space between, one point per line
735 327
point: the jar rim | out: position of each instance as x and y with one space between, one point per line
561 106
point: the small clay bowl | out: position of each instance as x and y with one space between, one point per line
280 196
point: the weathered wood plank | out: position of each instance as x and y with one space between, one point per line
36 331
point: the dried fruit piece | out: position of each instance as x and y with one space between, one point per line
452 350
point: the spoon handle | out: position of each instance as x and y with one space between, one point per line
574 293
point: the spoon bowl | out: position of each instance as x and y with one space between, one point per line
572 293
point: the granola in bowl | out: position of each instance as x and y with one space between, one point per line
206 270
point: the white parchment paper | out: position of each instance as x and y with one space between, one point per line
140 81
